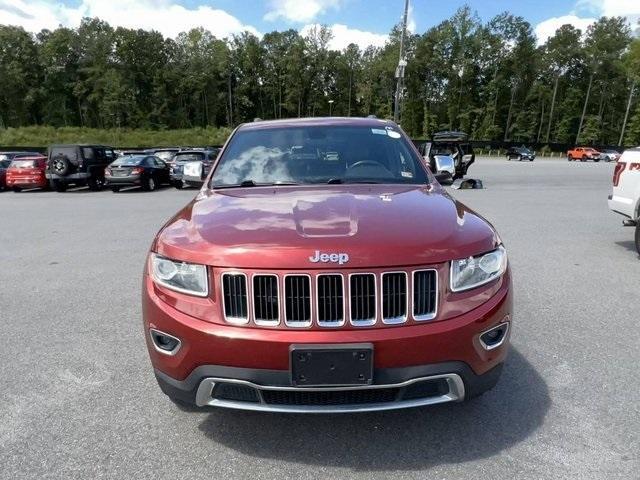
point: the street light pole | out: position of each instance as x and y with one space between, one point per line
402 63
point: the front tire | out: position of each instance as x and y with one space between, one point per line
569 158
16 189
178 185
115 189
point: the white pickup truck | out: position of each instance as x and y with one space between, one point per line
625 198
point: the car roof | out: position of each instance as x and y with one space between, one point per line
317 122
450 136
86 145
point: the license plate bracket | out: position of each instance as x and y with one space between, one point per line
331 365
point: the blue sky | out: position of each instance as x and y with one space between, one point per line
361 21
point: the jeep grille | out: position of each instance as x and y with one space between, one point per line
329 299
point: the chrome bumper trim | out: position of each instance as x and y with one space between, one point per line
205 389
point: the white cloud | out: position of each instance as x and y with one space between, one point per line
411 20
343 36
625 8
548 28
299 11
161 15
586 12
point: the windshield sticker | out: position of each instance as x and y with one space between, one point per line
406 174
378 131
393 134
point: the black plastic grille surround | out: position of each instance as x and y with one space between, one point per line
302 397
335 397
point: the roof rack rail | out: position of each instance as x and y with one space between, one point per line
371 116
257 119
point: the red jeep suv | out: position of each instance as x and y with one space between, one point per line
322 268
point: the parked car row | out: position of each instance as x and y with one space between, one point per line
99 166
583 154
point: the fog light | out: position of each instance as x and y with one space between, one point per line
495 336
165 343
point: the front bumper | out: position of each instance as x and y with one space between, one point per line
270 390
212 353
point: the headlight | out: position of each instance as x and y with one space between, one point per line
180 276
475 271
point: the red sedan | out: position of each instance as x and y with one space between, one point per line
27 172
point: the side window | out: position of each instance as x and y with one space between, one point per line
88 153
159 163
149 162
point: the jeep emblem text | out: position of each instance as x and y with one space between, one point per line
339 258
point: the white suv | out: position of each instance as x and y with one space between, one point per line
625 198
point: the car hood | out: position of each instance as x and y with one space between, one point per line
375 225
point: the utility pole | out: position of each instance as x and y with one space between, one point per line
626 113
402 63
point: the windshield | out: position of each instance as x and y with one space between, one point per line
318 154
69 152
23 163
165 155
189 157
128 161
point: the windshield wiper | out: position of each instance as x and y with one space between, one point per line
253 183
340 181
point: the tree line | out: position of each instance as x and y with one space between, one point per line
489 79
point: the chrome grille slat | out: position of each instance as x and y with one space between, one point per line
425 294
330 300
394 297
362 288
266 304
234 289
297 300
361 300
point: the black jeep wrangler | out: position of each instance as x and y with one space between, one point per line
78 165
453 144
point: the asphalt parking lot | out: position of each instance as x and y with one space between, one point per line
79 399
